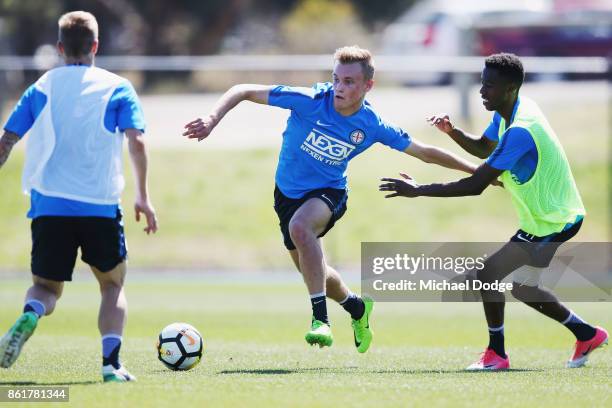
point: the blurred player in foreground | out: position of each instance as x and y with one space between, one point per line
76 116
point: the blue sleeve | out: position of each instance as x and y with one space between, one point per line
393 136
515 144
492 131
124 110
26 111
299 99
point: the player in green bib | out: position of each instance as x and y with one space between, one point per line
523 151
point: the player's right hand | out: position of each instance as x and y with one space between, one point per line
442 122
145 207
199 128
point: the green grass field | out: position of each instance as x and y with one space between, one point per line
255 354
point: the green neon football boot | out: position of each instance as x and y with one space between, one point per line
362 332
14 339
320 333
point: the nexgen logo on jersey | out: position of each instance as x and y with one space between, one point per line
328 146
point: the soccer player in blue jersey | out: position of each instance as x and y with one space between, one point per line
76 116
520 146
330 124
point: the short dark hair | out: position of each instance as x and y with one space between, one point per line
77 32
508 65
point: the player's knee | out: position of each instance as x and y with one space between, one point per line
525 293
517 291
112 291
484 275
522 292
111 285
300 232
114 284
112 279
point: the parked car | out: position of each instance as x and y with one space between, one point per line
433 28
571 29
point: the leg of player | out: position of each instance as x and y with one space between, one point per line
40 301
335 287
42 296
496 268
306 224
359 309
111 321
588 338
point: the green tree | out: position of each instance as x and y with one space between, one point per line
320 26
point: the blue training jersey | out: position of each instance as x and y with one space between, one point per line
122 112
517 151
319 142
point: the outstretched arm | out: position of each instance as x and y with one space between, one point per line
436 155
138 155
201 128
477 146
7 142
473 185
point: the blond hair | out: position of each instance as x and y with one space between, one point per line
352 54
77 32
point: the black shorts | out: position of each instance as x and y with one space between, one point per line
542 249
55 241
285 207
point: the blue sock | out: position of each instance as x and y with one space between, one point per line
36 306
111 344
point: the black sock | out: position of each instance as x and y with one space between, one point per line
581 329
319 308
113 358
496 341
354 305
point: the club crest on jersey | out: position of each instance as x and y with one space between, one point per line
357 136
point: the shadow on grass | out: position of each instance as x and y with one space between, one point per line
49 384
352 370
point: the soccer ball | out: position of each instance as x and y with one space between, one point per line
180 346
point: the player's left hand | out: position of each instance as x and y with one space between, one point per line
404 188
497 183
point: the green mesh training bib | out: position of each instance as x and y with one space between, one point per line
549 199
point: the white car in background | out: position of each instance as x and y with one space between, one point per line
434 27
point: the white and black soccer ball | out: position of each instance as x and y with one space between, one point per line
180 346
